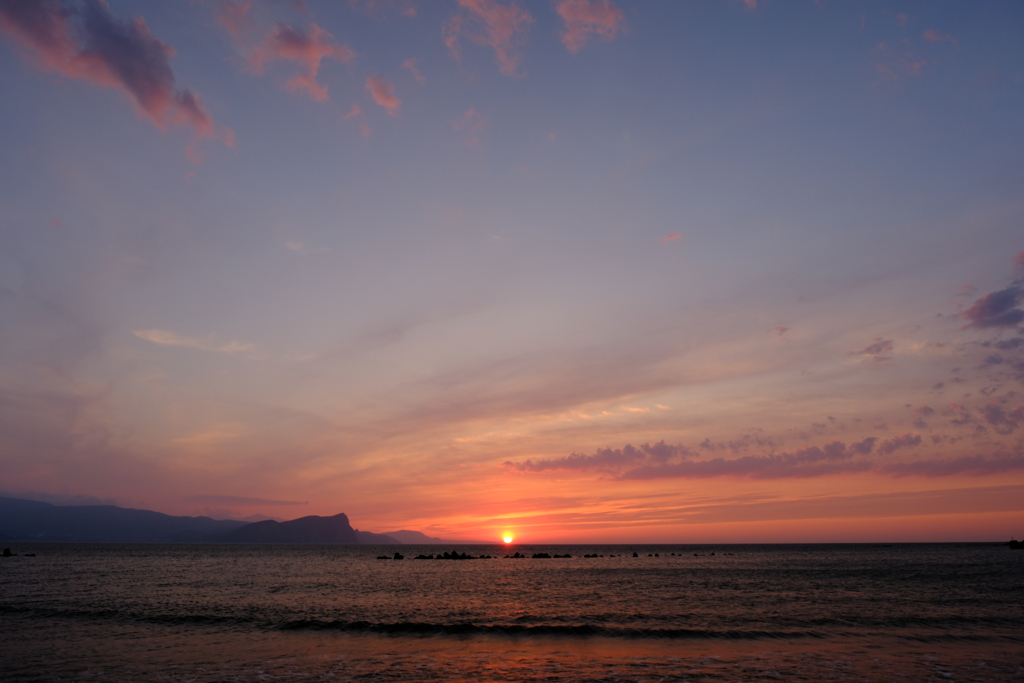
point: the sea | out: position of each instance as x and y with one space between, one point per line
144 612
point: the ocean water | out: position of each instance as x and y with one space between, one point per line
917 612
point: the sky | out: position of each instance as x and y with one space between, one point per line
571 270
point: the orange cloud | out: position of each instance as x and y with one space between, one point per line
307 48
500 27
90 44
410 64
583 17
751 4
383 92
671 238
352 113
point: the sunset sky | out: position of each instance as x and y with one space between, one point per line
574 270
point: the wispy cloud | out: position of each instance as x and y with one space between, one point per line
308 48
875 351
168 338
85 41
491 24
588 17
933 36
383 92
410 64
233 15
471 123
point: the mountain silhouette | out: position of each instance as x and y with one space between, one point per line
312 529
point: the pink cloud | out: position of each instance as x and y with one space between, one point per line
88 43
751 4
410 64
57 223
500 27
352 113
780 330
875 351
472 123
901 20
934 36
584 17
1018 260
308 49
233 15
383 93
674 237
997 309
364 129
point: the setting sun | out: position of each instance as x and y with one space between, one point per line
507 539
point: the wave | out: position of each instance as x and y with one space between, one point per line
425 629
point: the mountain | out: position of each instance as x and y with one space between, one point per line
370 538
31 520
407 537
313 529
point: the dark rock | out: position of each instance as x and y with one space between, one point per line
399 556
635 555
541 556
7 552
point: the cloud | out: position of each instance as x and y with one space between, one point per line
934 36
307 48
85 41
997 309
352 113
233 15
780 330
674 237
898 442
167 338
1002 420
241 500
613 459
383 93
491 24
378 9
410 64
814 461
876 350
472 123
584 17
662 461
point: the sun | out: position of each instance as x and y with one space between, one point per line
507 539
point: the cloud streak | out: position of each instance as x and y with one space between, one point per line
166 338
84 41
